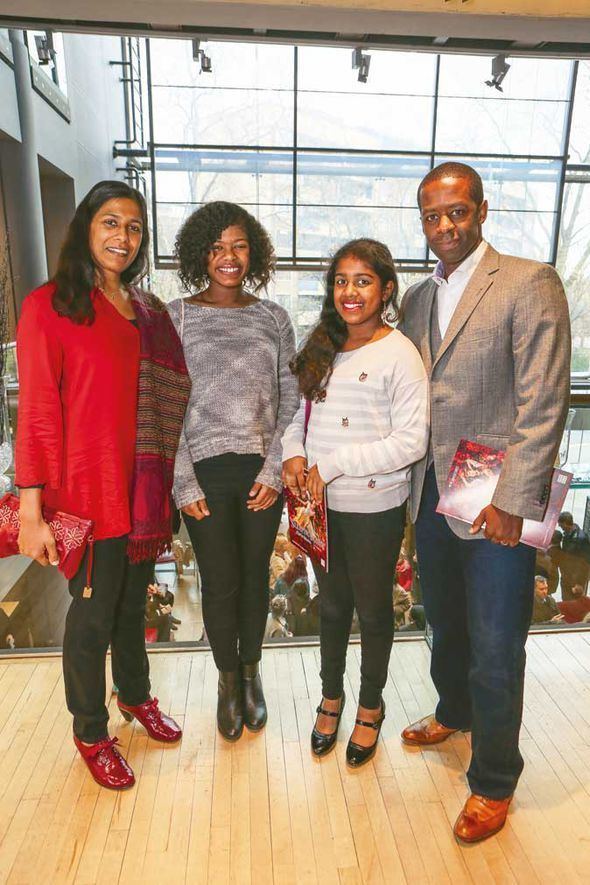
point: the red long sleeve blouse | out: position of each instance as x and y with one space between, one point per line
77 410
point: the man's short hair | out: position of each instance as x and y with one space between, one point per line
541 578
455 170
565 516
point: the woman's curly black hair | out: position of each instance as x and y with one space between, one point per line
204 227
314 362
75 277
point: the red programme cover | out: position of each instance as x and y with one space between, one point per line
308 525
471 484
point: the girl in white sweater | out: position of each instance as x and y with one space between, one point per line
368 425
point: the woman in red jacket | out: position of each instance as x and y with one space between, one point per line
103 389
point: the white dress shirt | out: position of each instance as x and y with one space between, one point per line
450 291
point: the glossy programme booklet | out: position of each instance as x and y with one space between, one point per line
471 484
308 525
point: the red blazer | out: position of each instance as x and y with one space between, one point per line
77 410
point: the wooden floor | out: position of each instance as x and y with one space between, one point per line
263 810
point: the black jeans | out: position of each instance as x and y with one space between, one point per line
115 614
363 552
233 547
478 598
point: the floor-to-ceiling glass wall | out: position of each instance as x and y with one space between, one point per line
319 157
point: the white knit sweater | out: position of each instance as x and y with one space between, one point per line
371 427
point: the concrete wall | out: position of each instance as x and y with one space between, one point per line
83 148
58 199
48 163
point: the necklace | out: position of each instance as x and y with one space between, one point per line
112 295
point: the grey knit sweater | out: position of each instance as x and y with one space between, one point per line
243 393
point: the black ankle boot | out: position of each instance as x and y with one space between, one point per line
253 703
230 721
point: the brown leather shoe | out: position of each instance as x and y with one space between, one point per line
426 731
481 817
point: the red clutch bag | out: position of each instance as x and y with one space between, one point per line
72 536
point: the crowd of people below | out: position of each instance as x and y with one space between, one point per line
160 623
564 566
294 605
294 608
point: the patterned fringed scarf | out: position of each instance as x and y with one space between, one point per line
163 393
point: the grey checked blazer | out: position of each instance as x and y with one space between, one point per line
501 376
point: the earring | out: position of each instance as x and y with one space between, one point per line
388 316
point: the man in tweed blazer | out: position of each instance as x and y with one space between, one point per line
494 334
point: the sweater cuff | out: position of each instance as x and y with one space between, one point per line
293 449
328 468
534 511
269 477
187 494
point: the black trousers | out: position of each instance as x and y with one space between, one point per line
363 551
233 547
115 614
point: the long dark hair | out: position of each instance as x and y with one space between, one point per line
76 271
314 362
204 227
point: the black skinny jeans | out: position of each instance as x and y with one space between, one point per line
115 614
363 548
233 547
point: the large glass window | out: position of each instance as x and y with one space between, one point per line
261 181
392 111
320 157
573 257
246 99
527 118
573 262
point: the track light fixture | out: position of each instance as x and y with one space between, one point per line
204 61
45 52
361 62
500 68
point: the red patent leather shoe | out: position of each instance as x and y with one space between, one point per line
159 726
106 765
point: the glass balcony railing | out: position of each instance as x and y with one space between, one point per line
34 600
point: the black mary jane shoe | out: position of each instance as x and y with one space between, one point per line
323 743
356 755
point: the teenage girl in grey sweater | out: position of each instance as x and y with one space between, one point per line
228 467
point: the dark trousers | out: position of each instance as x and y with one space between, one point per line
115 614
233 547
363 552
478 598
